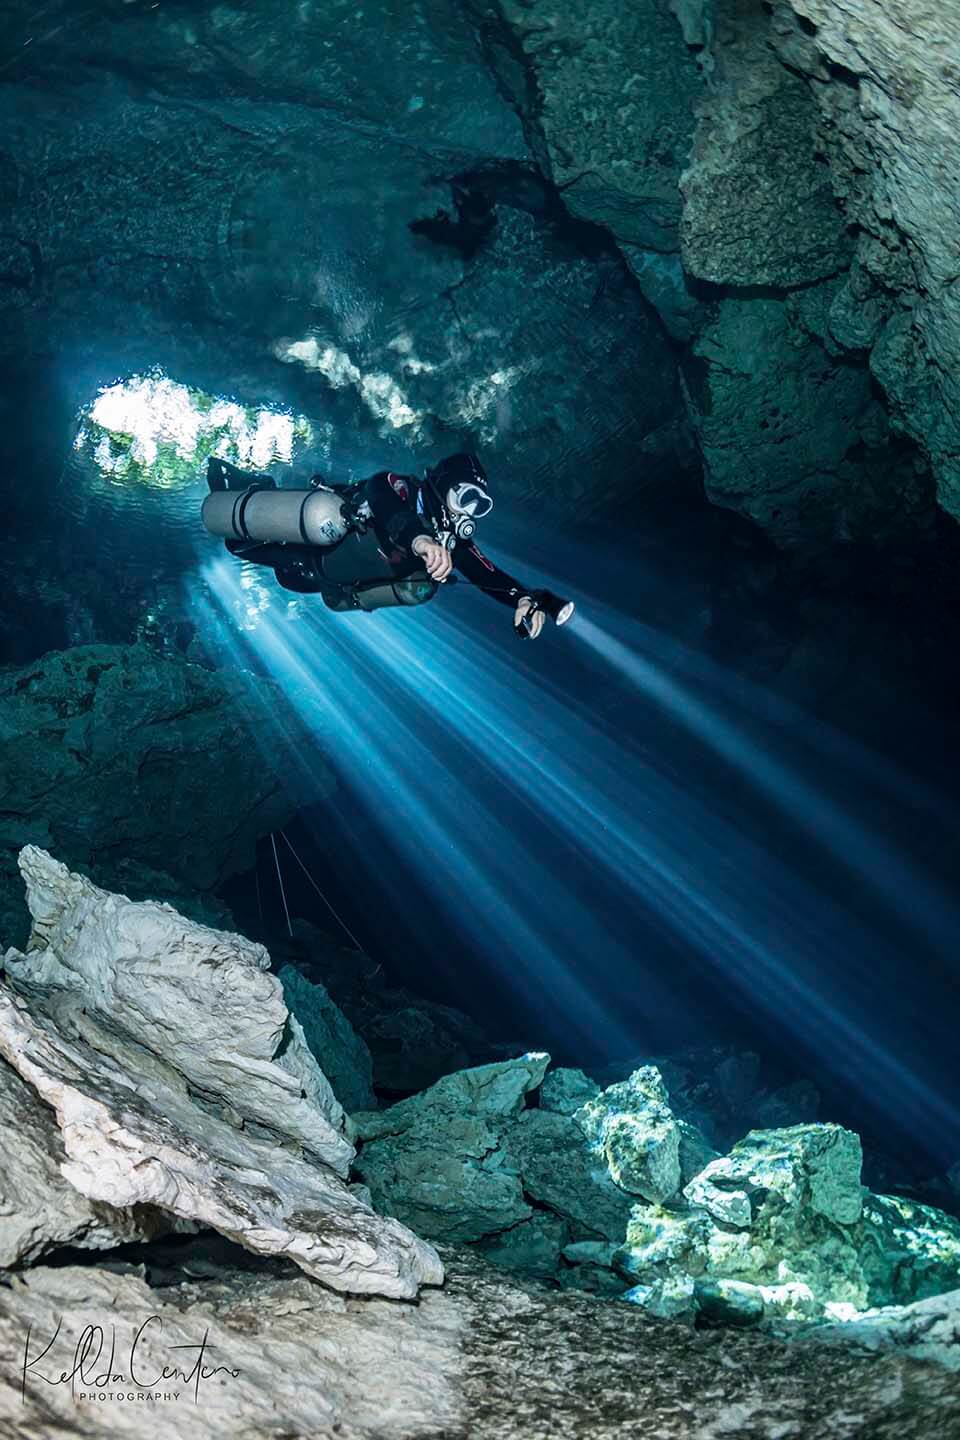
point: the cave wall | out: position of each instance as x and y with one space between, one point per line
608 245
332 208
885 78
326 206
734 162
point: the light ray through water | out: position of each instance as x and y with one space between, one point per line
423 715
895 882
472 868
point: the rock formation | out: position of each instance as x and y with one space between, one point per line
41 1210
883 78
613 1188
180 1081
331 1038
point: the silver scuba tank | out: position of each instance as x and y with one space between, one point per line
300 517
358 574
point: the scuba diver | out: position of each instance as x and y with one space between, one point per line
390 540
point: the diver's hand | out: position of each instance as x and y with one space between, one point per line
437 558
524 607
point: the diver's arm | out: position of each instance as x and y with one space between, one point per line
489 578
481 571
391 500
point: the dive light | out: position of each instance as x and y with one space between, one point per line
555 606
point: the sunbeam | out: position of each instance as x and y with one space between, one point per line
478 768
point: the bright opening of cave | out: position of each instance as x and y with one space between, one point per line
150 430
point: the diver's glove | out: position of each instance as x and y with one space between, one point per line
528 618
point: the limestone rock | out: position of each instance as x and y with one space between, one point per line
496 1090
779 1213
562 1171
633 1127
728 1302
890 111
807 1166
200 1003
39 1209
179 1081
909 1251
533 1246
672 1298
621 406
602 73
695 1151
436 1160
928 1329
773 202
332 1040
564 1091
785 1219
792 436
759 207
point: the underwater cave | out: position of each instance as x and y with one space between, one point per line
479 877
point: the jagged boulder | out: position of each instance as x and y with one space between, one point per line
782 1227
565 1091
813 1167
338 1048
633 1127
437 1160
180 1080
561 1171
908 1251
775 1216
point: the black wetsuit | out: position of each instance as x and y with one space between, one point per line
396 523
393 500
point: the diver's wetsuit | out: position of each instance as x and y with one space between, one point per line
393 500
395 520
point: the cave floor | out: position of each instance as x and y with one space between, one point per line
489 1355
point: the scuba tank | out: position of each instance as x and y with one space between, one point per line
316 540
359 554
298 517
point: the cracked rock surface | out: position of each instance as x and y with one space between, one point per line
179 1080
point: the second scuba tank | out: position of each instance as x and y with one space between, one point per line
360 566
299 517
